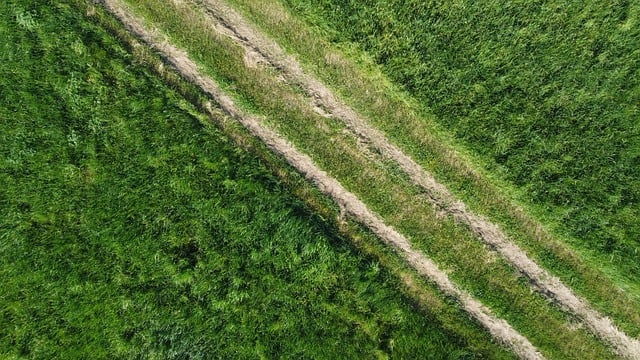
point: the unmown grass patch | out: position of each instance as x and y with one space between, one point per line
545 93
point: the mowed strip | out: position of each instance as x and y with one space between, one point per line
265 50
499 328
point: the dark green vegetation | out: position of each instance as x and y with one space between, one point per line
131 227
546 93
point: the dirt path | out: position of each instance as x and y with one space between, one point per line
499 328
263 50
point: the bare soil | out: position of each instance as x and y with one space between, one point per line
499 328
233 25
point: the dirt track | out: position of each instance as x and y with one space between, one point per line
499 328
265 51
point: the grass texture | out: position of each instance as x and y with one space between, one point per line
599 276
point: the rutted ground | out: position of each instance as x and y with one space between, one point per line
353 206
261 50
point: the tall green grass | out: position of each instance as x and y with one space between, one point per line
546 93
131 227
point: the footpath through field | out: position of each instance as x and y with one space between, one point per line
267 51
499 328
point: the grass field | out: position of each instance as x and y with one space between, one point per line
545 94
130 226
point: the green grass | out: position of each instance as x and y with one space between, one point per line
410 124
545 93
131 227
378 182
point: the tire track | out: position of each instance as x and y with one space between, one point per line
266 51
499 328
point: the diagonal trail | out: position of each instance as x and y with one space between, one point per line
499 328
229 22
